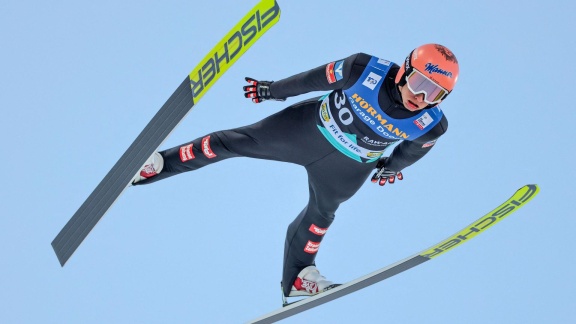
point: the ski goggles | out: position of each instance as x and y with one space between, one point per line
418 83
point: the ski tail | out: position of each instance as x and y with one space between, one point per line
244 34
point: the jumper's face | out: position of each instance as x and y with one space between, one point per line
411 101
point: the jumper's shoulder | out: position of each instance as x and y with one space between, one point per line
439 129
443 124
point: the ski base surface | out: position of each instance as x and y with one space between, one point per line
246 32
519 199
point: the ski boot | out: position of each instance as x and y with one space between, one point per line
152 167
310 282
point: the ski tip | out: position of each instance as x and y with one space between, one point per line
519 199
531 191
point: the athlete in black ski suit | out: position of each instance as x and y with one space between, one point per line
339 138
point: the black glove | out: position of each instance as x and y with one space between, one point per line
383 174
259 90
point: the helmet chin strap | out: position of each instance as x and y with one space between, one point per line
402 81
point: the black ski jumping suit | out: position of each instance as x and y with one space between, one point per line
338 138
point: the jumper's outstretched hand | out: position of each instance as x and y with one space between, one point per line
259 91
384 175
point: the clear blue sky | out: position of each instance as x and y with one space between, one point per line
81 79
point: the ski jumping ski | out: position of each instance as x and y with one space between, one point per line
519 199
246 32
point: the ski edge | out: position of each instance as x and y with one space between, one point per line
519 199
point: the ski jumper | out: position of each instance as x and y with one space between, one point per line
338 138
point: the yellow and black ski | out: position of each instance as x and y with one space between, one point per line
246 32
519 199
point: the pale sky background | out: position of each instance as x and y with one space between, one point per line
80 80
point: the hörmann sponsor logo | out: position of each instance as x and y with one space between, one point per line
240 38
317 230
385 127
480 225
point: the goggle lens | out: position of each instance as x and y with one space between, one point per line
419 83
